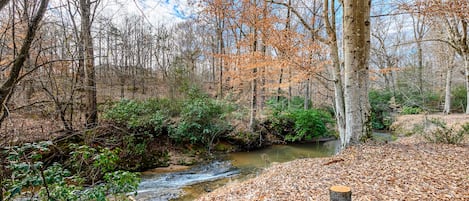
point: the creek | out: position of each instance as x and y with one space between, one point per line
190 183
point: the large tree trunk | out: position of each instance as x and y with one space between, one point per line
91 114
356 54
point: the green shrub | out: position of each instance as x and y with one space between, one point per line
380 109
411 110
300 124
277 105
309 124
282 123
281 104
31 178
427 101
445 134
202 120
142 116
458 98
298 102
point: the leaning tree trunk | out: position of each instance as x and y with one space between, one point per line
336 70
338 95
7 88
356 54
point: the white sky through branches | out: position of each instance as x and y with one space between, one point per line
155 11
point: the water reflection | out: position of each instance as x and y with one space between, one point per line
282 153
190 184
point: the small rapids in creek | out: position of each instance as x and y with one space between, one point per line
190 183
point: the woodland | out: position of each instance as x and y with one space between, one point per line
90 99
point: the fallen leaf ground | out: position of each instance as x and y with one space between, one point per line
407 169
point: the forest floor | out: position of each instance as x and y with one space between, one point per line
407 169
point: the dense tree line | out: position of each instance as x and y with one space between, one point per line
248 51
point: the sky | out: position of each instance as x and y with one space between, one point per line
156 11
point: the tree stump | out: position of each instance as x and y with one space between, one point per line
340 193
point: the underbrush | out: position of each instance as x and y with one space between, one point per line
294 123
26 174
197 120
440 132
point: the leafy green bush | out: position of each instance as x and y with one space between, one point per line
309 124
300 124
458 98
380 109
31 178
277 105
202 120
411 110
445 134
142 116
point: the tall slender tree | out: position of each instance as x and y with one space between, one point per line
91 114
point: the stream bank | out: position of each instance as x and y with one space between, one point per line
188 183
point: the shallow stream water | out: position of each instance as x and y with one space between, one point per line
189 184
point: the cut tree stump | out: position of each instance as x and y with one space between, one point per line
340 193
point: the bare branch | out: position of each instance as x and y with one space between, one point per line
3 3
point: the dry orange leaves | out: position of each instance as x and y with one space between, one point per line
408 169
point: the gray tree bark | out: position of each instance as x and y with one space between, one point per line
91 114
356 55
252 118
466 67
336 69
449 77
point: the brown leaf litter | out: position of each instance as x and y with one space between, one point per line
407 169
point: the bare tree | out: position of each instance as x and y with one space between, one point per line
7 88
450 64
420 29
91 114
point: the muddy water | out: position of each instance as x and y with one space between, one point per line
190 183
